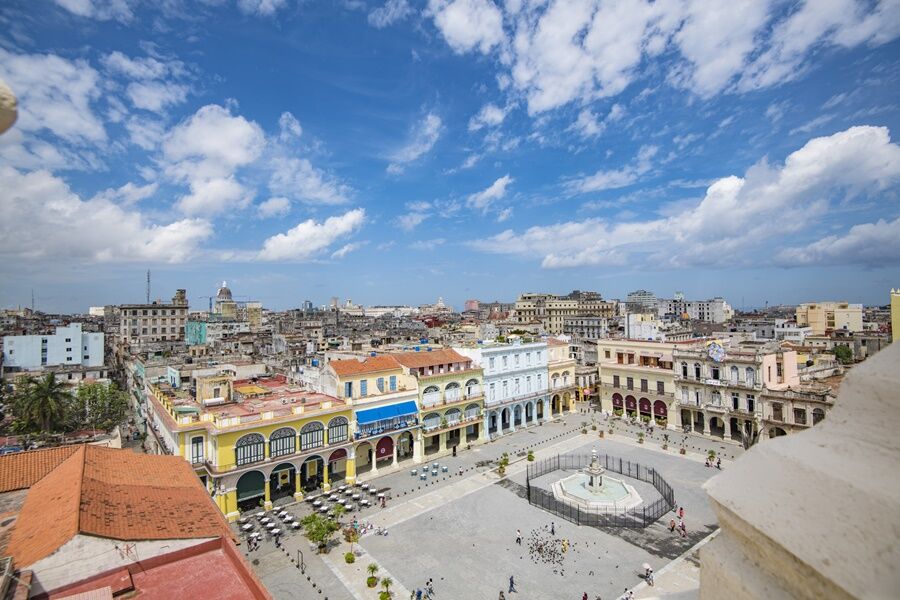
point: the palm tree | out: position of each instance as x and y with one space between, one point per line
43 402
386 583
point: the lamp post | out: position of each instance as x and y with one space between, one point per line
300 562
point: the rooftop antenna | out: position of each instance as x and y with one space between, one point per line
148 286
32 299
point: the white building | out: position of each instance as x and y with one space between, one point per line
516 384
68 346
714 310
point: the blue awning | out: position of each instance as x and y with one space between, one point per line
391 411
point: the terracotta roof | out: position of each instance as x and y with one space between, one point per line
417 360
22 470
116 494
372 364
556 342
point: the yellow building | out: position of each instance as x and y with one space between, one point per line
637 379
895 313
451 399
561 375
824 316
253 441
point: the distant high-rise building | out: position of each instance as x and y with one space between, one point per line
155 322
551 311
641 301
67 347
822 316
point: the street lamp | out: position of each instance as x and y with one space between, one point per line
300 562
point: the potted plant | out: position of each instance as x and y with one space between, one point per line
665 446
682 450
386 583
530 455
584 431
594 426
617 412
371 580
641 438
350 558
711 455
645 418
601 433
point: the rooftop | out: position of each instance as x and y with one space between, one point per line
369 364
115 494
417 360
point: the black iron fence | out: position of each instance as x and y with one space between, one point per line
639 517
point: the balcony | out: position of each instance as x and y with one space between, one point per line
379 428
725 383
451 396
514 399
431 426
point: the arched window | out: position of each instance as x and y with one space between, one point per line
431 421
453 416
452 385
696 370
716 398
312 435
817 415
684 371
282 442
249 449
431 389
338 430
473 411
734 374
751 376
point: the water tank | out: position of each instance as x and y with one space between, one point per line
373 353
315 362
417 348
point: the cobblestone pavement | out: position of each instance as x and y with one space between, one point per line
459 529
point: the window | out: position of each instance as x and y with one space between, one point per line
348 389
696 370
338 430
776 412
735 401
364 388
282 442
539 384
517 360
493 392
505 361
528 383
505 389
249 449
751 403
750 376
606 353
491 362
68 340
800 416
379 383
629 382
684 395
68 349
393 382
716 398
539 356
715 373
660 387
517 391
615 381
312 435
644 385
196 450
87 357
817 415
734 374
528 358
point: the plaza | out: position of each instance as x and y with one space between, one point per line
460 529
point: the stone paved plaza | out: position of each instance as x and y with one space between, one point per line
460 530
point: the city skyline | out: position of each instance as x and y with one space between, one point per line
397 152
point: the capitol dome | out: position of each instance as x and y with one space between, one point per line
224 293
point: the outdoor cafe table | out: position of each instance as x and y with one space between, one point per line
276 532
356 496
260 514
324 509
270 526
317 503
247 526
348 492
295 525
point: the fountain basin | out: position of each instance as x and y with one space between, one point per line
614 494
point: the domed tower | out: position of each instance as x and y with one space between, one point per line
225 305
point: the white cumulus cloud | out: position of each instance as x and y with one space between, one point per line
482 200
423 137
310 237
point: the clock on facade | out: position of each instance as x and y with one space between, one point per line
716 351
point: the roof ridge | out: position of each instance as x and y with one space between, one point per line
80 486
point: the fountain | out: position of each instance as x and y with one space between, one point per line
592 489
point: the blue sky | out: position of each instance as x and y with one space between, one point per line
394 152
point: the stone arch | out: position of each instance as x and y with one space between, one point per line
776 432
660 410
451 386
630 405
717 427
365 457
473 411
453 416
505 419
618 401
282 481
431 421
555 405
644 407
431 389
517 415
251 488
384 449
817 415
312 472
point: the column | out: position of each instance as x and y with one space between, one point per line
548 416
326 485
727 422
394 457
298 490
484 426
418 447
351 466
705 423
374 470
267 505
512 419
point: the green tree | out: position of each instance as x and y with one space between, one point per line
319 529
844 354
386 583
41 404
99 406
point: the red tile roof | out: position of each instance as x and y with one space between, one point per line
115 494
417 360
22 470
371 364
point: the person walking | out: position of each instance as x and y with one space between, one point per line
681 512
418 594
719 463
518 537
552 528
512 585
584 596
502 596
672 526
650 577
